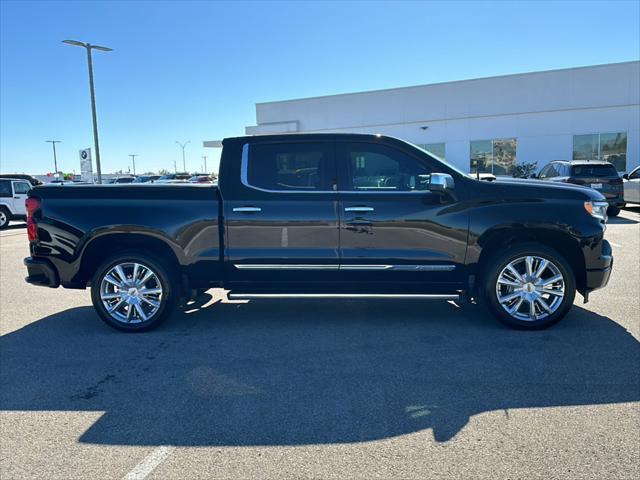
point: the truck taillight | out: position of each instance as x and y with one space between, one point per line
32 205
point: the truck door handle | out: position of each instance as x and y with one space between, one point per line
359 209
247 209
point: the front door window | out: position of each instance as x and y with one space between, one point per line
377 168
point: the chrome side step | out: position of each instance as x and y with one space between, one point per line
357 296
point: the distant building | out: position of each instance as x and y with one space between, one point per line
575 113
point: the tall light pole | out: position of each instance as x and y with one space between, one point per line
55 159
204 157
182 145
88 47
133 159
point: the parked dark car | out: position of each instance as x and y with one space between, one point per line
201 179
323 215
601 176
146 178
22 176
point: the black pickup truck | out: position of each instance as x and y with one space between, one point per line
323 215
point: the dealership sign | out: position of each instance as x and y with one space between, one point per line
86 166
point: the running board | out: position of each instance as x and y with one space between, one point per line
357 296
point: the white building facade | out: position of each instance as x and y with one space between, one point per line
488 123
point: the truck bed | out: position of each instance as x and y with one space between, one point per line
183 218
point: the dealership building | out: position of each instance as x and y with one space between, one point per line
487 123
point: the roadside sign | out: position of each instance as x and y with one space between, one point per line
86 166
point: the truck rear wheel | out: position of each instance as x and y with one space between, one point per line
133 292
529 286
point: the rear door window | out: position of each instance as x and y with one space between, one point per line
594 171
562 169
299 167
5 188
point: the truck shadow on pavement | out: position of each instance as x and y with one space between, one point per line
309 372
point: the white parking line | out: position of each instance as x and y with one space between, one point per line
615 245
150 462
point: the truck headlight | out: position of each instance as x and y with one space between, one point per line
597 209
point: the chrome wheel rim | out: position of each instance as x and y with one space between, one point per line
530 288
131 293
3 218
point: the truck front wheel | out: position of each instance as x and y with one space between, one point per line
613 211
529 286
133 292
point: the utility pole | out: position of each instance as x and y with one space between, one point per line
182 145
175 167
133 159
55 159
88 47
204 157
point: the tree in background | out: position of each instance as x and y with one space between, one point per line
524 170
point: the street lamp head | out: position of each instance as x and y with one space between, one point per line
75 42
87 45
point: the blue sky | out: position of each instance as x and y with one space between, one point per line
194 70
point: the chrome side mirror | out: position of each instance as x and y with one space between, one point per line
441 182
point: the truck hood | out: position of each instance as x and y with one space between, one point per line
546 189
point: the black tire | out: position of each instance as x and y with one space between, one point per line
613 211
518 253
162 275
5 217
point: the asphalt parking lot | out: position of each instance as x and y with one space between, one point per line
319 389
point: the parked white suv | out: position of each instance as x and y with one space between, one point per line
631 184
13 194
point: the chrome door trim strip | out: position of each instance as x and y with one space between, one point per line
278 266
401 268
425 268
403 296
366 267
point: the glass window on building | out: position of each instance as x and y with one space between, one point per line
496 156
481 156
585 147
438 149
611 147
